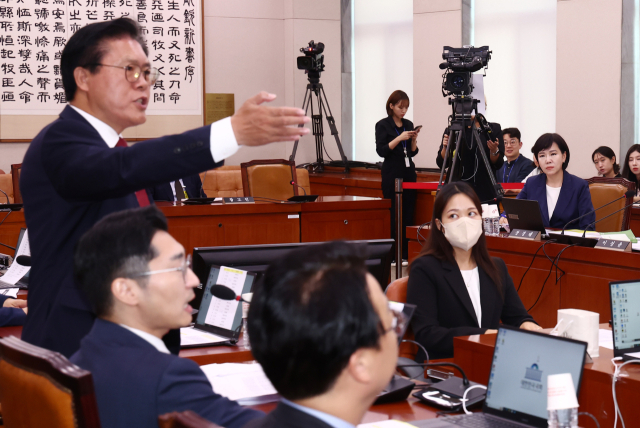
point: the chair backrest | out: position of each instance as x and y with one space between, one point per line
186 419
303 179
605 190
6 185
222 183
269 178
397 292
15 176
41 388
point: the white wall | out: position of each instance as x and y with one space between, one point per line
383 51
520 84
588 78
436 23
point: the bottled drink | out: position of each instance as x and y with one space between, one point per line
563 418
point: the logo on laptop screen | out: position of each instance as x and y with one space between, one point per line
532 379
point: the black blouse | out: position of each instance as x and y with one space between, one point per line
386 132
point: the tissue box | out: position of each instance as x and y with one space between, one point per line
580 325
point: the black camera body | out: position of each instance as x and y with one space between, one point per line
459 64
313 60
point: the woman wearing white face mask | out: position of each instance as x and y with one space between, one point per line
457 287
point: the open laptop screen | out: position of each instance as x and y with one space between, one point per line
522 360
625 313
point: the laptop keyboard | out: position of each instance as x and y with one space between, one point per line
478 420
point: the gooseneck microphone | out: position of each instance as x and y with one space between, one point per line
202 185
5 194
293 183
629 195
223 292
605 217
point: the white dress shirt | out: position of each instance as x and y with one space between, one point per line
222 139
154 341
472 281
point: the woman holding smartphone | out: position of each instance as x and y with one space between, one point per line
397 143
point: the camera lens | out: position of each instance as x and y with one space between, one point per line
458 82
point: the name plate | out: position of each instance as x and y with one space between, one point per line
239 200
529 235
612 244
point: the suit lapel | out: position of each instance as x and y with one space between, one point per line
566 194
487 299
453 276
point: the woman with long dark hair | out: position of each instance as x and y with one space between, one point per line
605 162
457 287
631 168
397 143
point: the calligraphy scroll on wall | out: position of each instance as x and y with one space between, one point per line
33 34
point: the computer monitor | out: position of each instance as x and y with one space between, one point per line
256 259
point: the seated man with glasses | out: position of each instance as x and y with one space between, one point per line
517 167
139 283
321 328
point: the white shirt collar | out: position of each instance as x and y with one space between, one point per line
154 341
108 134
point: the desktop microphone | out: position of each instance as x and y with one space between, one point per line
296 184
23 260
629 195
615 212
223 292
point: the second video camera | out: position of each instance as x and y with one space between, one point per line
460 63
313 59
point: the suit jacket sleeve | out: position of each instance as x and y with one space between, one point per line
513 311
82 170
524 193
10 316
382 139
423 291
185 387
584 206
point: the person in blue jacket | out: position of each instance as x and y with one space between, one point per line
12 311
562 196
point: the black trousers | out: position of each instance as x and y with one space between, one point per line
408 206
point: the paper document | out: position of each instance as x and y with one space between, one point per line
239 382
191 336
16 271
390 423
222 312
605 338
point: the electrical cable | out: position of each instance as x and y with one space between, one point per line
543 285
422 226
532 260
591 416
616 374
464 397
5 245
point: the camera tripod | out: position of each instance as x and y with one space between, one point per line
314 87
463 108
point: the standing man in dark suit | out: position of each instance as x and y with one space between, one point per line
78 169
138 281
321 328
183 188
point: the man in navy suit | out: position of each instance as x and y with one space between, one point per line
139 283
12 311
183 188
321 328
78 169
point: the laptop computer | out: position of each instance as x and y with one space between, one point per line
625 318
218 322
523 214
517 388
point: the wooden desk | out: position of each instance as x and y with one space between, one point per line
475 353
584 286
330 217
